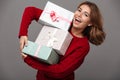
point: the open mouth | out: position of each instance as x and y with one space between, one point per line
77 20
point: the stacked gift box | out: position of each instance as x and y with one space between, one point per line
54 38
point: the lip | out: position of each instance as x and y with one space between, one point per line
77 20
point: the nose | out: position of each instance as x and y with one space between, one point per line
80 14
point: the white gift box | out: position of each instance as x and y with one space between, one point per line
56 16
53 37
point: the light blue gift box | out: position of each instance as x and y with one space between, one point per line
45 54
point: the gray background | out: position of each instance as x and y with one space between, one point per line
102 62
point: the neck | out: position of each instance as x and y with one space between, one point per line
77 32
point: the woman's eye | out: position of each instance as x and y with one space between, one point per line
79 10
86 14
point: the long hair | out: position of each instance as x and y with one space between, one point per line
95 32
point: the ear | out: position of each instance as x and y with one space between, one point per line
89 24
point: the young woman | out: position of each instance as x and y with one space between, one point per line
86 27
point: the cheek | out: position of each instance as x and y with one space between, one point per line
86 20
75 14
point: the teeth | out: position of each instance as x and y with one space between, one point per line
77 19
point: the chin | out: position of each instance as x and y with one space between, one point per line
75 26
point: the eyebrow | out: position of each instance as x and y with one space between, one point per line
85 11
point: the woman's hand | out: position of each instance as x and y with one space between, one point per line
23 42
23 55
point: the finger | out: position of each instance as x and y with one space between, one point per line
21 45
26 42
23 55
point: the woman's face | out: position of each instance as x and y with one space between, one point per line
82 17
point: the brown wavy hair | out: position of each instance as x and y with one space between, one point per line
95 32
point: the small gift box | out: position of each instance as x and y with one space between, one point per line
56 16
42 53
55 38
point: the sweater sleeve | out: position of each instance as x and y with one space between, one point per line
62 69
29 14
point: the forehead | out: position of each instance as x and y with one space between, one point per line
85 8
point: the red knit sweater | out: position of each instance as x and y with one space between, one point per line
72 59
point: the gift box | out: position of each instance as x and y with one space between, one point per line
55 38
41 53
56 16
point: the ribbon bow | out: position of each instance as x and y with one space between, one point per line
54 17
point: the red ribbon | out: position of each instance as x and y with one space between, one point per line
56 18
